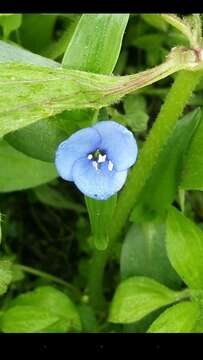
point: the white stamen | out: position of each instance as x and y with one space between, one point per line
110 165
101 158
90 156
94 163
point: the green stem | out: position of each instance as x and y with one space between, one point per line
171 110
95 287
73 291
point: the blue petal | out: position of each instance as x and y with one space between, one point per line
78 145
119 144
98 183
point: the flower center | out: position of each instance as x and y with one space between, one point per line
98 157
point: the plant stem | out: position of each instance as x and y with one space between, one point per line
73 290
170 112
95 287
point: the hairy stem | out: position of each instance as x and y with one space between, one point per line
170 112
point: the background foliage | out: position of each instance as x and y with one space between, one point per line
153 280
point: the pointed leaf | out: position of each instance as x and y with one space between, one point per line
44 309
89 47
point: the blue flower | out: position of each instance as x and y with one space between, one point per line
97 159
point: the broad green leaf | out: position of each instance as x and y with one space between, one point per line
52 197
179 318
192 173
5 275
138 296
101 216
20 171
26 319
25 313
56 129
10 23
161 187
88 49
144 253
184 242
36 31
14 53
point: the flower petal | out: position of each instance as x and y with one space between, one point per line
119 144
98 183
75 147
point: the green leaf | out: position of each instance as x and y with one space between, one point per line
20 171
14 53
192 173
144 253
184 242
179 318
26 319
10 23
5 275
161 187
138 296
101 216
50 196
89 47
45 309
